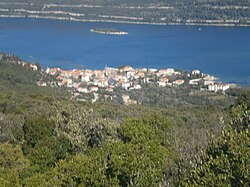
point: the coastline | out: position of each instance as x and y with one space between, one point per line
88 27
124 22
128 78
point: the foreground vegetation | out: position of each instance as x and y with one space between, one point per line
49 140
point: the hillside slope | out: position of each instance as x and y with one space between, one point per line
47 139
23 77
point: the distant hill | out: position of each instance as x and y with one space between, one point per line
23 77
226 12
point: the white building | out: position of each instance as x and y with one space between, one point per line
126 68
125 85
85 78
69 83
33 67
93 89
162 84
208 82
167 72
178 82
196 72
151 70
218 87
194 81
135 87
125 98
83 90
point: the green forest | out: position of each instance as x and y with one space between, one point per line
48 139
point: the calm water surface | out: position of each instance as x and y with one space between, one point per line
220 51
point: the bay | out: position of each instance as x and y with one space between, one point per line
220 51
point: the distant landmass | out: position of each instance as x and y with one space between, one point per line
188 12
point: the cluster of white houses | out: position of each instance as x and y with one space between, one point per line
218 87
125 78
128 78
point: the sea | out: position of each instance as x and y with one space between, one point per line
220 51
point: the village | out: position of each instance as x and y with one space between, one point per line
112 83
126 78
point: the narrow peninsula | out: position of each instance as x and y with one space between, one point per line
109 31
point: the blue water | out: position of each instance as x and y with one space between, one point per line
220 51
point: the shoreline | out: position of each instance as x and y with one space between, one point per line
51 19
43 68
129 78
123 22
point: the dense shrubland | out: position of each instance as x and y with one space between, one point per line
50 140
